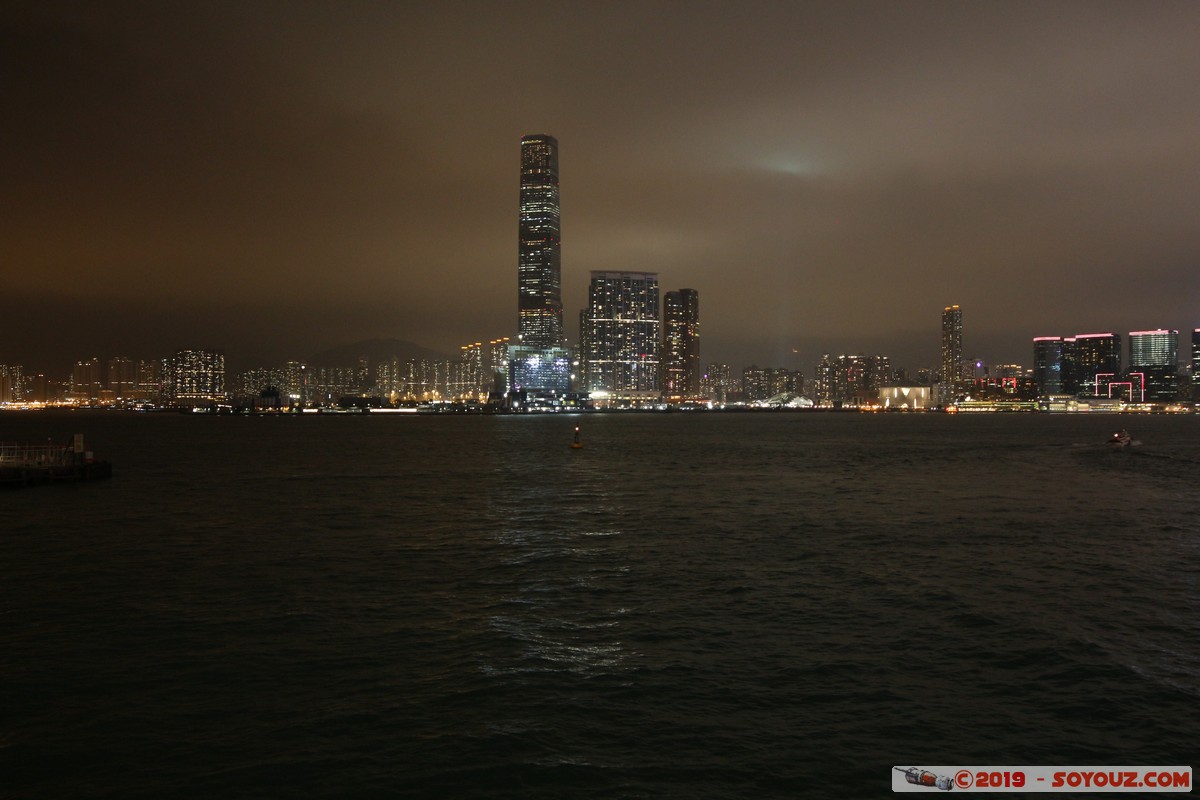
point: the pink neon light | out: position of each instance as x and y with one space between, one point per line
1142 383
1150 333
1121 383
1092 335
1110 384
1047 338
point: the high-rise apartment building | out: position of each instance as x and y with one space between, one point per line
86 382
850 379
717 382
12 389
498 361
681 344
622 333
1155 355
194 375
149 381
952 349
539 292
764 383
122 377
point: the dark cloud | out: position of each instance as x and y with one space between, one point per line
269 177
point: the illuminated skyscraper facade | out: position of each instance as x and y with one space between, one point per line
952 348
850 379
717 383
122 377
86 381
622 333
539 292
1196 365
1155 354
194 375
681 344
1048 365
1097 359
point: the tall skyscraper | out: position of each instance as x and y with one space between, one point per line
1155 354
12 388
195 375
85 380
952 349
1048 364
681 344
1196 365
122 377
622 333
539 292
1097 358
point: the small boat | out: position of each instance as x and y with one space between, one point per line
576 445
1120 439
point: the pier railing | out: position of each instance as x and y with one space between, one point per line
36 455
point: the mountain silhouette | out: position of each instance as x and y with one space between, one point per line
377 351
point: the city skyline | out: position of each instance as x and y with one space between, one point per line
825 176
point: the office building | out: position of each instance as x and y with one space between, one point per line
1048 364
681 344
1196 365
539 361
539 293
539 370
1096 362
622 334
1155 356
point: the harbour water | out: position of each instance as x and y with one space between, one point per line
691 606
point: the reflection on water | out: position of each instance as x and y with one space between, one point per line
690 606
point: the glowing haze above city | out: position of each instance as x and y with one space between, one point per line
273 178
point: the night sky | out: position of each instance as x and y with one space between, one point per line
276 178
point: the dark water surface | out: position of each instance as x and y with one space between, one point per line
692 606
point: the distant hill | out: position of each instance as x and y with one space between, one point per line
377 351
